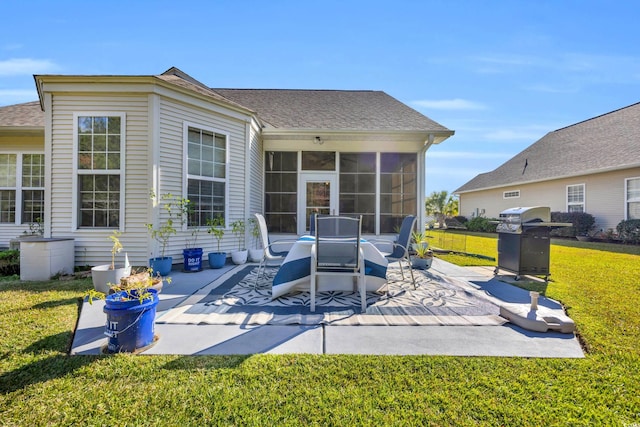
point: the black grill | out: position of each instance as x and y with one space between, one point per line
524 242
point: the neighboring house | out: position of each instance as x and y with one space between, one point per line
85 158
592 166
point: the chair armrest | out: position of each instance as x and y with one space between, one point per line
281 242
383 245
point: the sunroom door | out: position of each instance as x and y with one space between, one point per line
319 195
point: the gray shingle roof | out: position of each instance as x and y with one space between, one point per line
607 142
342 110
331 109
28 114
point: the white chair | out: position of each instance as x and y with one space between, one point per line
269 256
337 252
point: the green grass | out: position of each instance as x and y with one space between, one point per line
41 385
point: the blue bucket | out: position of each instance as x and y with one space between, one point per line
130 325
192 259
161 266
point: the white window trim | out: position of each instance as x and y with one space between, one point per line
584 196
626 200
185 165
76 171
18 187
504 194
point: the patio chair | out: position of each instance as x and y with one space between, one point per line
269 256
337 252
400 250
312 224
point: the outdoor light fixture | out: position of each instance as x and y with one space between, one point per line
318 140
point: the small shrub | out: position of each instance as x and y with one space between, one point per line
582 223
482 224
629 231
9 262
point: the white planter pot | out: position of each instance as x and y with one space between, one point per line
239 257
103 277
255 255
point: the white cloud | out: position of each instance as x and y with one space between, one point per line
12 46
449 104
466 155
22 66
515 134
17 96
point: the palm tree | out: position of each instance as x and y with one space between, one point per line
441 204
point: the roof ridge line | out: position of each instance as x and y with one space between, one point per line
598 116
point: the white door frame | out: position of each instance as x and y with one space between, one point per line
306 177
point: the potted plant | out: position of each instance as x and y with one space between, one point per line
162 233
423 257
238 229
103 276
419 238
192 255
131 312
255 255
216 227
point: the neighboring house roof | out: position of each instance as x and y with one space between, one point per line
604 143
28 115
359 110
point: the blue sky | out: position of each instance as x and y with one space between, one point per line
500 73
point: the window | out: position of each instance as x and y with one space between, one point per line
358 187
632 191
100 169
513 194
206 174
32 188
398 189
575 198
318 161
21 188
281 191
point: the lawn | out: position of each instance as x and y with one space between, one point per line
41 385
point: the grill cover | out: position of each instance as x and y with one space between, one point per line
512 220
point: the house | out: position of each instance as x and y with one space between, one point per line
592 166
85 158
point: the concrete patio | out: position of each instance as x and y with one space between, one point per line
507 340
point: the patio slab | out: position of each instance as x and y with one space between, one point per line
505 341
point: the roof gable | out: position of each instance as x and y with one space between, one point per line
607 142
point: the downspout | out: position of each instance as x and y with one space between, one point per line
422 183
153 154
48 163
247 177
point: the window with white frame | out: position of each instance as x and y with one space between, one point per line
21 188
513 194
206 173
575 198
100 169
632 191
